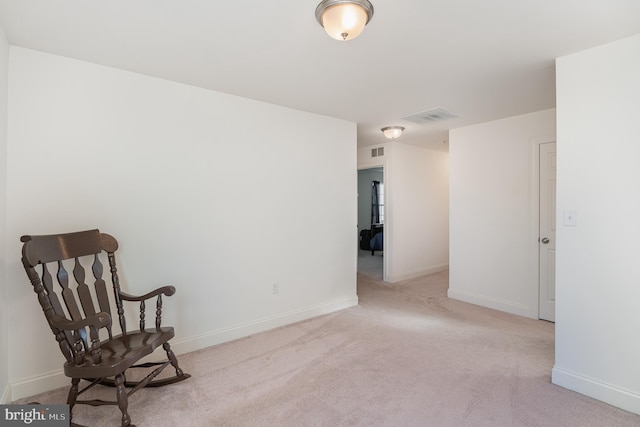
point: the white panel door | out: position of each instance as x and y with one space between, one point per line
547 238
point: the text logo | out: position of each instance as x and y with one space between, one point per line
34 415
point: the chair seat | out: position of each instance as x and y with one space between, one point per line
120 353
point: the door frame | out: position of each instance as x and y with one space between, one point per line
535 219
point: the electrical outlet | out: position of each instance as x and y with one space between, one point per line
570 217
275 289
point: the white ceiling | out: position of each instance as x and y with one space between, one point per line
483 60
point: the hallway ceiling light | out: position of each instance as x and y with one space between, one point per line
344 19
392 132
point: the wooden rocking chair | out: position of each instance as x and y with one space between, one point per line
78 328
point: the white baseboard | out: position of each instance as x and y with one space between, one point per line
493 303
5 398
39 384
409 276
57 379
209 339
616 396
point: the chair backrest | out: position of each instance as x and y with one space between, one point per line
72 298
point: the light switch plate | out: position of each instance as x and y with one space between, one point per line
570 217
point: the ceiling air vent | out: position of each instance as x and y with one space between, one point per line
432 116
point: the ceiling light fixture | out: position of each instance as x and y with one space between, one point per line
344 19
392 132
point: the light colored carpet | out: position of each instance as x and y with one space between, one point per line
370 265
406 356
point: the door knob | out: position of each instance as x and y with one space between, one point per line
545 240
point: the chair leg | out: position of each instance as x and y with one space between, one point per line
73 395
172 358
123 403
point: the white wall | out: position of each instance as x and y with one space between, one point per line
4 331
203 190
598 281
418 206
493 258
416 209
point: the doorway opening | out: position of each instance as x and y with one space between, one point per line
371 220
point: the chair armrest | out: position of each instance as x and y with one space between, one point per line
99 320
73 347
166 290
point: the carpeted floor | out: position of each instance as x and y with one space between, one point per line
370 265
406 356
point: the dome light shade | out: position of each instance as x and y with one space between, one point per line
392 132
344 19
